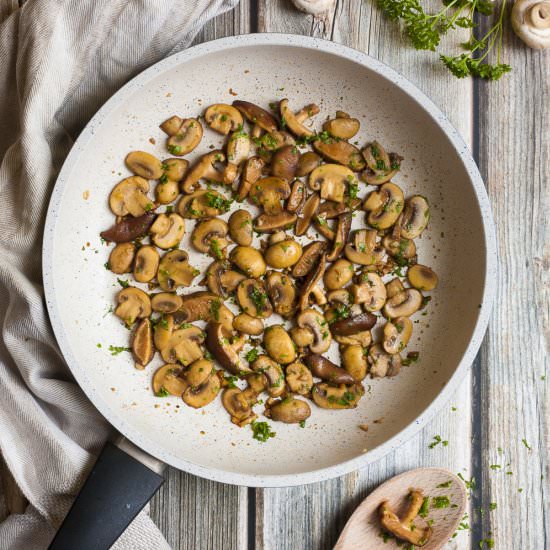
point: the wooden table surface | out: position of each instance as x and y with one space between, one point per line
497 423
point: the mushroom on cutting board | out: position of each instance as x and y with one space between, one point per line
531 22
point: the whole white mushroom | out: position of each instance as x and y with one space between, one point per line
314 7
531 22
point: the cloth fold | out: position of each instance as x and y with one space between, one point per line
60 60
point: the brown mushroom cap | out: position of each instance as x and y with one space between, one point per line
299 378
309 210
202 395
338 275
268 223
273 372
133 304
236 404
340 152
282 293
307 163
121 258
269 193
422 277
204 203
204 306
343 229
218 342
240 227
279 345
283 254
327 370
248 325
310 255
256 115
144 164
289 411
397 334
382 363
343 397
342 127
415 217
317 324
381 167
142 344
294 121
129 229
221 280
371 292
249 260
205 168
354 361
198 372
252 172
285 162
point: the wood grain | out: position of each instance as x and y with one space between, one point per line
514 158
312 517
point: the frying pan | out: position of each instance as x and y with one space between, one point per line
459 244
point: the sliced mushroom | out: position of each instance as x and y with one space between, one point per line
343 228
202 395
403 304
121 258
342 127
129 229
219 342
144 164
381 167
381 363
174 270
168 230
284 254
394 287
405 529
167 379
371 292
310 255
365 250
354 361
363 339
311 282
354 324
531 22
249 260
338 275
203 306
400 249
252 172
204 203
240 227
332 180
294 121
269 194
171 125
253 299
285 162
130 197
268 223
327 370
174 169
289 411
317 324
142 344
343 397
415 217
133 304
256 115
166 302
273 372
339 151
236 404
186 139
248 325
209 236
297 196
321 224
146 264
397 334
181 343
279 345
223 118
238 147
307 163
302 337
309 211
221 280
330 210
198 372
167 191
281 292
205 168
422 277
384 206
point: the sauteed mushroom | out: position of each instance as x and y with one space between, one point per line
209 237
133 304
240 227
174 270
294 121
382 363
144 164
397 334
307 163
316 323
273 372
289 411
403 304
415 217
186 139
225 351
279 345
342 127
341 152
205 168
285 162
327 370
342 397
129 229
146 264
282 293
168 230
253 299
422 277
122 258
142 344
130 197
248 325
257 115
166 302
223 118
299 378
248 260
167 380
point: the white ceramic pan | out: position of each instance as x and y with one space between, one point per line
459 244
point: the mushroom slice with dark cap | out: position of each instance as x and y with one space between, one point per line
330 209
397 334
285 162
380 167
415 217
200 396
249 260
371 292
273 372
310 255
282 293
297 196
248 325
342 397
332 180
341 152
353 325
204 306
205 168
256 115
129 229
343 227
311 281
314 321
294 122
364 250
307 163
269 223
221 279
142 344
309 210
252 172
327 370
130 197
221 344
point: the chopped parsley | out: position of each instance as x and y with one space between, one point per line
261 431
231 381
441 502
115 350
252 355
217 201
123 283
524 441
259 298
163 392
174 149
445 485
423 512
215 309
437 440
302 423
215 248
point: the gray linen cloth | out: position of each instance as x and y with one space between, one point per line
60 60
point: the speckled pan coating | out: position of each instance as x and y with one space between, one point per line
459 244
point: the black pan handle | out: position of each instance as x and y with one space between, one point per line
117 488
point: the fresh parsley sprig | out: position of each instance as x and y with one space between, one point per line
425 31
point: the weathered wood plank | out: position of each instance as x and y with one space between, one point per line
311 517
192 512
514 157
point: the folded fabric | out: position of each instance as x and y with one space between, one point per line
60 61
